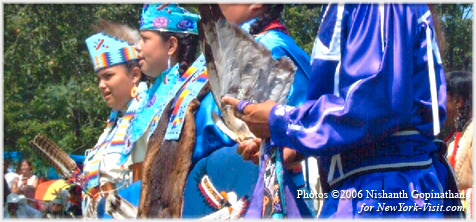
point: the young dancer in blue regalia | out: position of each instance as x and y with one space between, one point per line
373 110
225 170
167 52
121 85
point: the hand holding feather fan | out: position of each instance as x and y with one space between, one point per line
240 67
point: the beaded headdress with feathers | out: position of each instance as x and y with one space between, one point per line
112 45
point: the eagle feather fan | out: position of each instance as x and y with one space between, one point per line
59 159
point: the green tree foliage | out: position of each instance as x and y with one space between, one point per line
50 86
302 21
457 35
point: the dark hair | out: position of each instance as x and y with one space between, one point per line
187 47
132 64
135 63
459 85
27 161
75 190
271 13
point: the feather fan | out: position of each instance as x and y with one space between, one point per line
240 67
61 162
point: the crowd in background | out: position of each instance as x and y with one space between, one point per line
19 189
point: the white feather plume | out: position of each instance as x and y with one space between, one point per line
119 31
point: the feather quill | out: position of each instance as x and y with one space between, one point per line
240 67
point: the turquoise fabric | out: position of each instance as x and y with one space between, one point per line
170 18
281 45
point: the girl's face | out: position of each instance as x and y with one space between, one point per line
25 168
153 53
115 84
451 104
